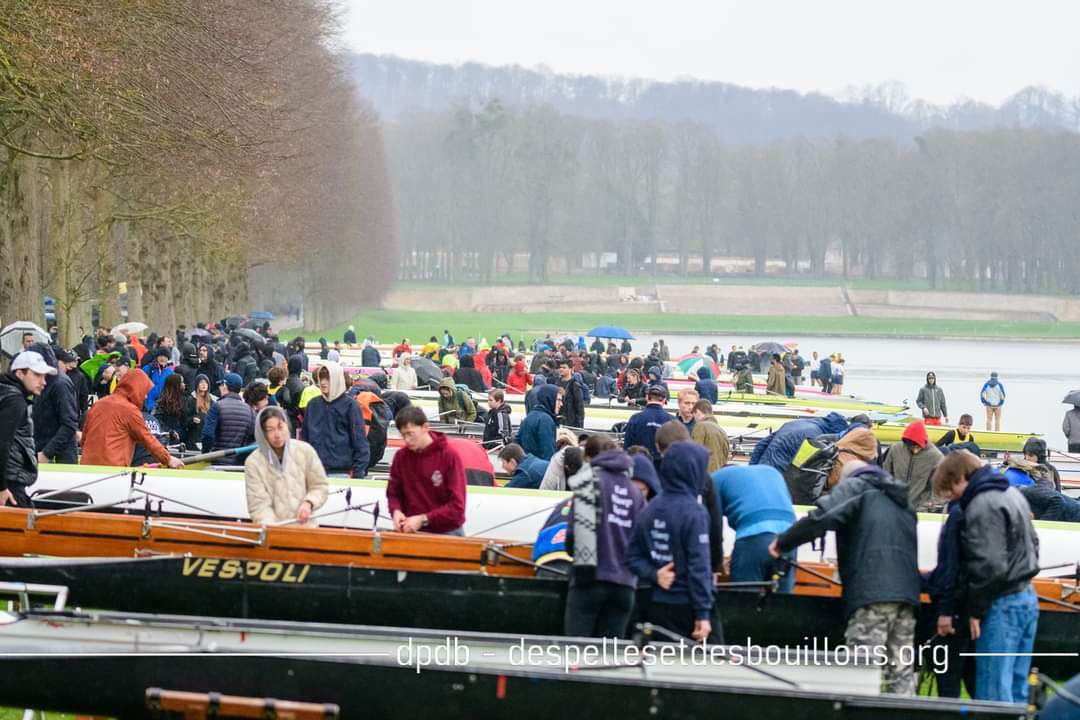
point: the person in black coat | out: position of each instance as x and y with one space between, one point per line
244 364
209 367
175 410
350 336
468 375
69 362
56 414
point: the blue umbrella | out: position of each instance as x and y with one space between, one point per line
610 331
261 315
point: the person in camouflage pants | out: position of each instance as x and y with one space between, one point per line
890 625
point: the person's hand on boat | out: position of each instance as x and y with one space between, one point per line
665 576
399 521
304 513
976 630
727 566
773 549
701 631
42 458
6 498
176 463
945 626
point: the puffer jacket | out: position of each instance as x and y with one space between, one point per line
276 488
536 434
875 537
779 449
999 547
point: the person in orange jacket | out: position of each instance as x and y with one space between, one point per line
115 424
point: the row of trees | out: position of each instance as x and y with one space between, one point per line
994 209
176 147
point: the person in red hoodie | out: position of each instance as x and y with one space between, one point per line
115 423
426 491
519 379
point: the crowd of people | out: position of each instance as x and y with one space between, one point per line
644 520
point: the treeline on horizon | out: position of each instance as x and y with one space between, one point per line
179 148
989 209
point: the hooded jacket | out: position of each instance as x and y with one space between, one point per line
295 385
708 433
536 434
115 424
18 455
914 471
779 449
618 502
992 393
519 378
276 488
706 387
1070 426
335 428
529 473
644 471
468 375
755 500
458 407
497 426
999 547
158 375
931 399
875 538
674 528
642 426
430 482
1046 503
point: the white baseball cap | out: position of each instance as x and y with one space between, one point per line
29 360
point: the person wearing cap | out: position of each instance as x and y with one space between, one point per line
230 422
912 461
56 414
641 428
115 425
18 453
992 396
931 400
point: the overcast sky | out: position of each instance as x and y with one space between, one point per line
939 49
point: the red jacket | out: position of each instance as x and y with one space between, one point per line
519 379
115 423
430 482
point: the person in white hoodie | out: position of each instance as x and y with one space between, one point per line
404 376
284 477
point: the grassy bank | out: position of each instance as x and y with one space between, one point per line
392 325
606 280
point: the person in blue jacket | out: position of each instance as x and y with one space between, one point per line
527 470
706 386
334 425
642 426
158 372
779 449
669 546
756 502
536 434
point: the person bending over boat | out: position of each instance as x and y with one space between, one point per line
284 478
115 424
876 548
669 546
426 491
606 502
912 461
999 555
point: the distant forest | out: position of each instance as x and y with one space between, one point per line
560 167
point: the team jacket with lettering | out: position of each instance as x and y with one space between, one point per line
431 481
620 503
674 527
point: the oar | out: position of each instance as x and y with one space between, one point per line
219 454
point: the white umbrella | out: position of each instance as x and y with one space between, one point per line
11 336
130 328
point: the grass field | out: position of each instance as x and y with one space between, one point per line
606 280
392 325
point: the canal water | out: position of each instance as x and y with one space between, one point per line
1036 375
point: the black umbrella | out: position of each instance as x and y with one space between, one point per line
235 320
427 372
256 340
769 348
1073 398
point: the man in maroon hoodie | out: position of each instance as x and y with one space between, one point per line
426 491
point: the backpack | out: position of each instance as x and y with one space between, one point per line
586 392
377 419
808 473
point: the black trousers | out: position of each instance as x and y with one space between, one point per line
598 609
680 619
961 670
